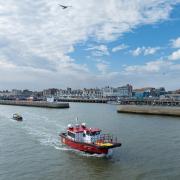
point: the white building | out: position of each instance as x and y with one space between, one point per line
108 91
123 91
92 93
5 93
16 92
175 97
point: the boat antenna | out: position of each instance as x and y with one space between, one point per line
76 119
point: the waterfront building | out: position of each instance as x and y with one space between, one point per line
5 93
76 93
123 91
38 94
149 92
177 91
69 93
143 92
108 91
92 93
50 92
16 92
175 97
159 91
61 93
68 90
26 93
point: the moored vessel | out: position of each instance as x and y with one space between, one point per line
89 140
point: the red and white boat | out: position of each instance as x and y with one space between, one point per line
89 140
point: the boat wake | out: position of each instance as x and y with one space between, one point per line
93 155
61 147
109 155
46 132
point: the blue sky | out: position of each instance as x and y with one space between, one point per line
91 44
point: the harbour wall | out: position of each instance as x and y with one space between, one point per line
35 104
148 109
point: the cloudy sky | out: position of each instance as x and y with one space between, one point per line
91 44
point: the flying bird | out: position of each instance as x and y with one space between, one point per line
64 7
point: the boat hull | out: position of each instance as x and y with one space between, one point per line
18 119
86 147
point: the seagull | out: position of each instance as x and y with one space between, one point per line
64 7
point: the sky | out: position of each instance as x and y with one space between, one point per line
90 44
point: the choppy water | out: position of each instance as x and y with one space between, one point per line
31 150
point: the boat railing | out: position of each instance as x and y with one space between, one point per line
102 138
106 138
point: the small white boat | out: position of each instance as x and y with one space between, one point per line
17 117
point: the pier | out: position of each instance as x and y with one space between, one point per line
82 100
151 102
156 107
43 104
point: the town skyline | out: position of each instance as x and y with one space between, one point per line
102 94
69 89
97 87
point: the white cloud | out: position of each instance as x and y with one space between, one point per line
175 55
150 50
4 63
149 67
105 73
39 35
136 52
144 51
119 48
175 43
100 50
102 67
157 73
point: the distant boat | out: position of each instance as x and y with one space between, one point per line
113 102
17 117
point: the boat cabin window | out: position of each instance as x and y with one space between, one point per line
71 134
93 133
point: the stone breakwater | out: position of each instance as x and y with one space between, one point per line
35 104
148 109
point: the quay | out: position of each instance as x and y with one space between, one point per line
146 109
82 100
44 104
152 102
156 107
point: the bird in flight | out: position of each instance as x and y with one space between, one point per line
64 7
